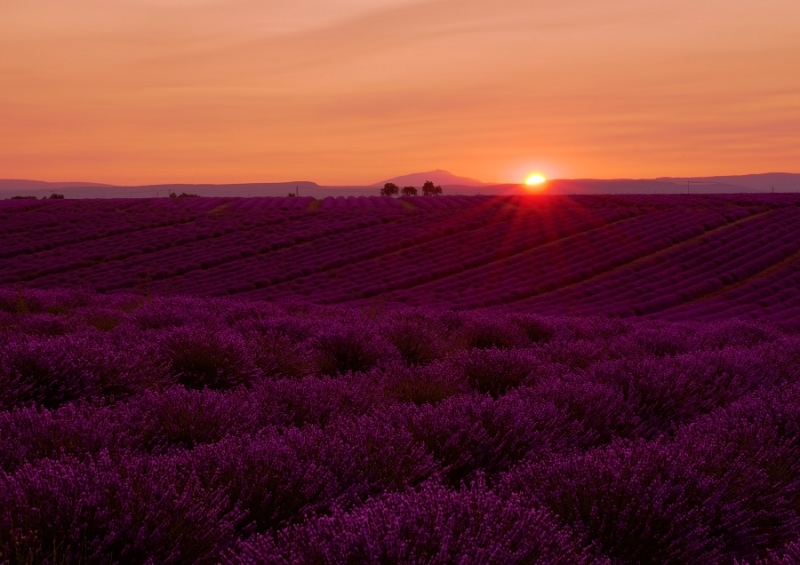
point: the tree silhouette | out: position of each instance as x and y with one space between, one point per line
390 189
428 189
409 191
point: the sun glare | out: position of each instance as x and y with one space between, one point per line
535 179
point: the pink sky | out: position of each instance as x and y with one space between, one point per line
355 91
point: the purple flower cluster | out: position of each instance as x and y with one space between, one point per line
432 525
195 430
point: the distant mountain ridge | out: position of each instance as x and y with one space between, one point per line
10 188
763 182
628 186
452 184
731 184
24 184
438 177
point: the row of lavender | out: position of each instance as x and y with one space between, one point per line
675 257
188 430
545 265
197 253
748 268
402 254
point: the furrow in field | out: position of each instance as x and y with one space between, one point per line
183 247
674 276
432 259
571 260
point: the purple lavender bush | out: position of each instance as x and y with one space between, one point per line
418 339
432 525
494 371
201 357
640 503
424 385
50 372
99 512
193 430
350 347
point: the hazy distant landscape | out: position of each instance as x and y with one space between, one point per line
452 184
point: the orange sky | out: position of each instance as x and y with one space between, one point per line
355 91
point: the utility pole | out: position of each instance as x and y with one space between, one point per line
690 182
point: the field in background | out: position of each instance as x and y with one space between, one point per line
698 257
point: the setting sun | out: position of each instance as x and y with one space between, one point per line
535 179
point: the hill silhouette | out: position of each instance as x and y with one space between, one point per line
24 184
439 177
764 182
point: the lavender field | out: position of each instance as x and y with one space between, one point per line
465 380
697 257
